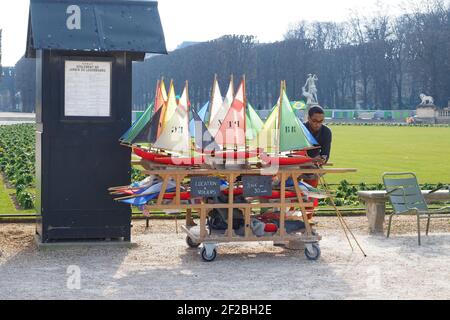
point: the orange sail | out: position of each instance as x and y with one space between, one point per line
175 135
160 96
231 133
169 106
160 103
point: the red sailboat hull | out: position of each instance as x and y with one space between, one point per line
286 161
146 155
184 162
236 154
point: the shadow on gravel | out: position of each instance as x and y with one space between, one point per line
52 274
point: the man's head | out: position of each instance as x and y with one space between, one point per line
316 118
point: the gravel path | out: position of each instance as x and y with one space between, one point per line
161 266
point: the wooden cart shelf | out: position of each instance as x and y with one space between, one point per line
194 239
222 237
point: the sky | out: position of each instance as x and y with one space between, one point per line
202 20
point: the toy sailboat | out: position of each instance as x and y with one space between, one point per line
173 145
136 134
177 135
283 135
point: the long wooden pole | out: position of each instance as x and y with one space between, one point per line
213 90
246 149
188 134
340 216
156 94
280 105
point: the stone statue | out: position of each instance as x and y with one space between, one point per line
426 100
309 97
311 93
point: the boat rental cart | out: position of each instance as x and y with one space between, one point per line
197 235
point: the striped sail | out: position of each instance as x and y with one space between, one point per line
175 136
231 133
216 122
216 100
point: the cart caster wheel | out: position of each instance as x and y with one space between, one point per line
207 258
315 254
191 243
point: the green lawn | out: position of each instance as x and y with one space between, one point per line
374 150
6 204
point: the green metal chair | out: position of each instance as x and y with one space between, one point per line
407 198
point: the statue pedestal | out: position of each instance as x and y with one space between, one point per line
427 113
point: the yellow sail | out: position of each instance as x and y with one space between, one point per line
171 105
175 136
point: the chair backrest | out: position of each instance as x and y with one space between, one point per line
407 194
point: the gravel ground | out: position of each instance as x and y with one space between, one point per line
161 266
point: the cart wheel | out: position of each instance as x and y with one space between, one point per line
191 243
207 258
315 254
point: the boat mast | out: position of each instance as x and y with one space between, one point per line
245 118
280 105
211 101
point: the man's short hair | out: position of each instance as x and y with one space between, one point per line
314 110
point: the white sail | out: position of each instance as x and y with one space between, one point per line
217 101
216 122
175 136
171 105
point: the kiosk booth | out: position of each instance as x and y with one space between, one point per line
84 51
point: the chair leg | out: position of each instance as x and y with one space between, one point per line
389 226
418 228
428 224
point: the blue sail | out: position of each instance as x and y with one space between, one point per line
203 111
308 134
202 115
203 139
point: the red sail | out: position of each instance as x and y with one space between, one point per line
232 130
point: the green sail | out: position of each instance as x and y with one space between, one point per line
254 123
292 136
267 137
138 126
249 130
257 123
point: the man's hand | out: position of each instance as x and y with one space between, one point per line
319 160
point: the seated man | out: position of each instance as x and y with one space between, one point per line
323 135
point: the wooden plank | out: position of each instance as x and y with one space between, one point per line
189 221
282 205
178 181
231 178
248 230
302 207
166 179
305 239
298 192
226 206
202 224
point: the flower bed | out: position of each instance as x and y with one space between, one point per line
17 159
